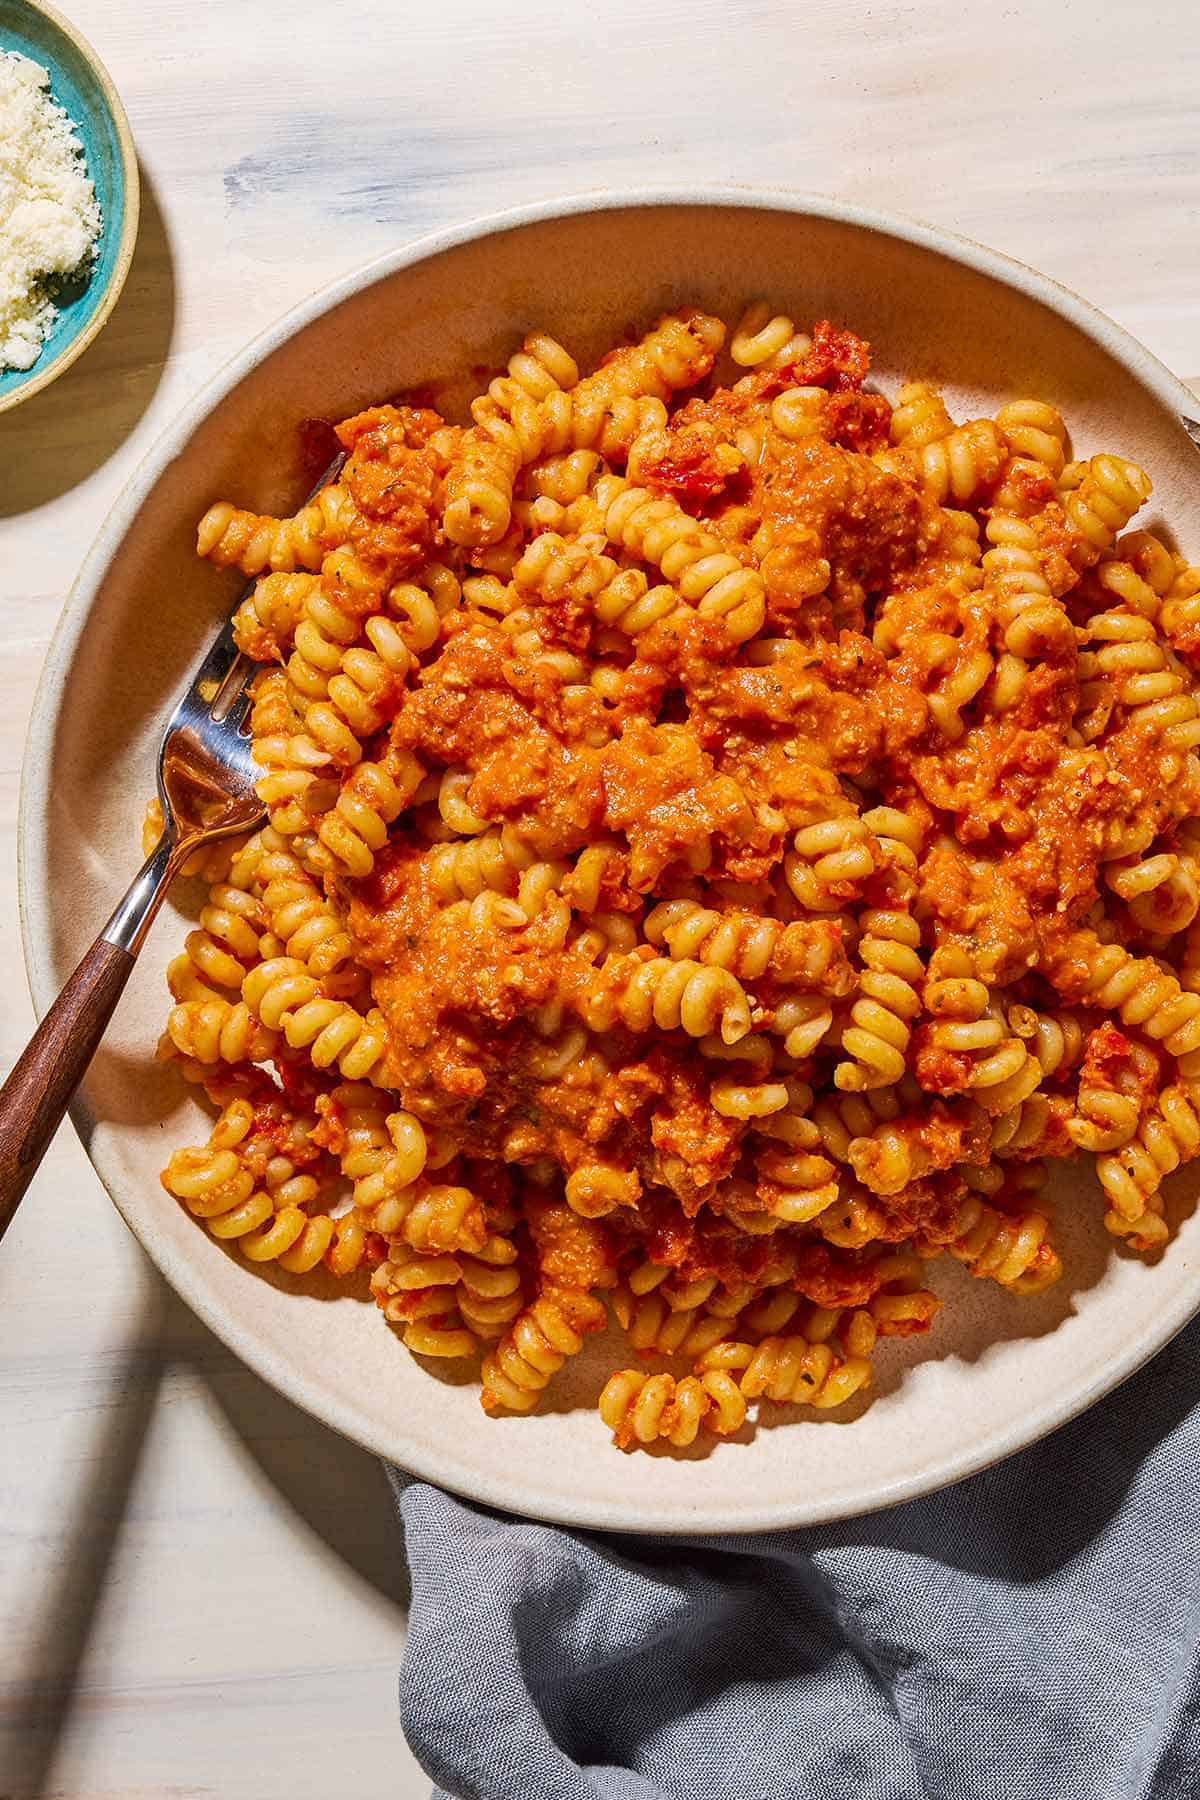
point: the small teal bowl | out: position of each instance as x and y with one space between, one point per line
80 84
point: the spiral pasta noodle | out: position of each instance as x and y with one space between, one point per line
1132 668
1135 988
745 943
962 465
791 1371
537 1343
877 1038
1034 621
283 996
1011 1249
1035 430
265 623
417 1293
1131 1176
656 1325
488 1294
233 537
669 995
1105 500
266 1219
356 825
226 940
919 416
692 559
219 1031
640 1409
765 339
829 862
299 916
797 1185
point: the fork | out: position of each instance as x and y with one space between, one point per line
206 777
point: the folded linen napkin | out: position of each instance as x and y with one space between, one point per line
1031 1634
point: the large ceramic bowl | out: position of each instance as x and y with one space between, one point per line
82 86
996 1372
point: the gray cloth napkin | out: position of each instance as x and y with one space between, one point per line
1031 1634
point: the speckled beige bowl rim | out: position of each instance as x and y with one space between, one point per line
978 1450
70 352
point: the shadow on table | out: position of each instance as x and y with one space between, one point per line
59 437
41 1707
339 1491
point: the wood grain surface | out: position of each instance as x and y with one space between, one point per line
201 1590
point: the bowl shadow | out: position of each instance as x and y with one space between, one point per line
335 1488
340 1493
59 437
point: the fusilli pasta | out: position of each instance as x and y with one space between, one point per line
721 850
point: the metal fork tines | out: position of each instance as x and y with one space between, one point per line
206 782
206 771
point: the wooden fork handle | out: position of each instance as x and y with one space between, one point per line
39 1089
38 1092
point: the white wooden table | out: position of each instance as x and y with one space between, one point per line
201 1590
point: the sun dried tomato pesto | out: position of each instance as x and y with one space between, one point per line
720 847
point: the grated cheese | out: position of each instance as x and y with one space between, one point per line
49 215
